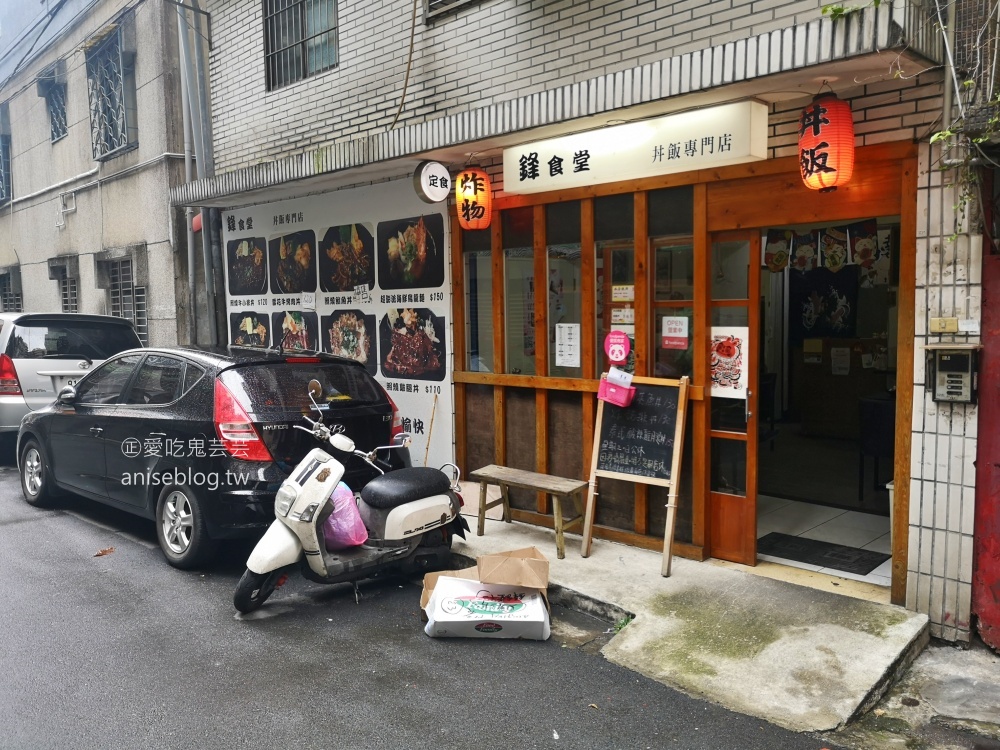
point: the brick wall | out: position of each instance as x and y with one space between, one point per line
487 52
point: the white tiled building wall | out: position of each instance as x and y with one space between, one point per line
488 52
943 475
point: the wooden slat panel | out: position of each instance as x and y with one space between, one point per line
541 271
542 442
499 302
541 267
679 549
643 338
737 204
500 425
589 425
906 302
499 360
458 321
527 381
588 292
700 411
642 286
457 292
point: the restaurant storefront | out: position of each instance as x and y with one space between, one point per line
679 261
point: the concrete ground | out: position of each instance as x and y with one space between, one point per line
799 657
806 651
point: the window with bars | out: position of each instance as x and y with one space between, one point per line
6 184
300 39
435 8
55 101
6 192
127 300
67 290
111 91
10 298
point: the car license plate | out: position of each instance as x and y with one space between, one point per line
63 382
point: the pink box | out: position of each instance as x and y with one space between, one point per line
615 394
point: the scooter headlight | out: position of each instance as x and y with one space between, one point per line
284 499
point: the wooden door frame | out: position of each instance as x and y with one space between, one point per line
722 505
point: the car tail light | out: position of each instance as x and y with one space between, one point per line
238 435
397 420
9 384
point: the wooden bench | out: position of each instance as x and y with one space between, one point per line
557 488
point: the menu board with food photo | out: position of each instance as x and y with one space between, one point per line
411 252
411 341
346 274
294 329
249 328
350 333
347 258
247 266
292 260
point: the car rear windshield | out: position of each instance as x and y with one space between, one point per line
70 340
284 386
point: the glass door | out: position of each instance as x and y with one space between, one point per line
734 342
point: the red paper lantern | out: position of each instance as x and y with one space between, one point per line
474 196
826 143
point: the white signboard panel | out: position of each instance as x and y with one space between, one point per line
702 138
362 273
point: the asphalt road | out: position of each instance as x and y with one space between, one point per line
123 651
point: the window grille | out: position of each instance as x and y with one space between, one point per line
67 290
300 39
10 301
127 300
5 183
55 100
434 8
111 90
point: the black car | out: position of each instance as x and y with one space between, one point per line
199 442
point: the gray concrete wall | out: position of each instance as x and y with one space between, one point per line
125 202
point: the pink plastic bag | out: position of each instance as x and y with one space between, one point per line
344 528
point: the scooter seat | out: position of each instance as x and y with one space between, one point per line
404 486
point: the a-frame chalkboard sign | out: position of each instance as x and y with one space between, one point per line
643 443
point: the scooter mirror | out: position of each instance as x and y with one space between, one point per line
402 440
341 442
315 389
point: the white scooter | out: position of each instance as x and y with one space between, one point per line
411 516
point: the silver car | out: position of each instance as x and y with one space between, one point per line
40 353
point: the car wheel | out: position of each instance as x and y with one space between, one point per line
254 589
181 528
35 483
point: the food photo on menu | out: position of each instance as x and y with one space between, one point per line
292 261
247 265
248 328
347 258
411 341
350 333
411 252
294 329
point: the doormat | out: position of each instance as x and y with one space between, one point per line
812 552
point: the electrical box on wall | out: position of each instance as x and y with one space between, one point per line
955 369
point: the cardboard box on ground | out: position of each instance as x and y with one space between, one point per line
502 596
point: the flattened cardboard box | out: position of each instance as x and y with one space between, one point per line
465 608
526 569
